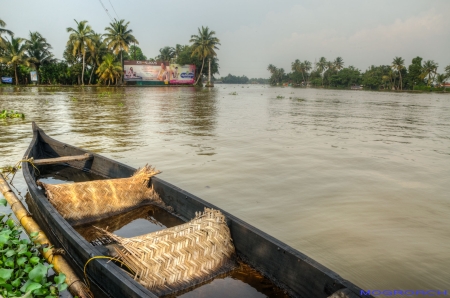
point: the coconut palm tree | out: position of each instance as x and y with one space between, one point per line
428 69
96 51
338 63
322 66
441 79
15 54
109 69
3 30
306 67
204 45
398 64
166 54
447 70
296 67
118 38
80 37
38 50
271 68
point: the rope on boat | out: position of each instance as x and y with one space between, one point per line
101 257
17 167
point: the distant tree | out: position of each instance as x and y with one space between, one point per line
97 49
322 66
429 70
338 63
80 38
204 45
415 71
398 64
15 54
346 77
441 79
118 38
109 70
38 50
166 54
3 30
374 77
136 53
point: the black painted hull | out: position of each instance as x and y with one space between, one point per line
298 274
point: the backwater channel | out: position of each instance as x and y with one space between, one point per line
357 180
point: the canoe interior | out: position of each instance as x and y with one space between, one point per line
291 270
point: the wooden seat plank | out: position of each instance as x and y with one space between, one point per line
62 159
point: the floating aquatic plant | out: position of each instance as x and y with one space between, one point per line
23 271
233 93
280 97
11 114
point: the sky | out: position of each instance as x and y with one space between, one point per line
254 34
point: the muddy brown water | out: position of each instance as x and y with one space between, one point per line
358 181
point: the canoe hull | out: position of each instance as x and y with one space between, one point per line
293 271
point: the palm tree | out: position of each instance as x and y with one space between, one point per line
296 67
271 68
38 49
97 50
338 63
203 46
429 68
3 30
398 64
109 69
80 37
118 38
15 54
441 79
447 70
305 67
322 66
166 54
330 68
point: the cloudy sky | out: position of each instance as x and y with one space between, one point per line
254 33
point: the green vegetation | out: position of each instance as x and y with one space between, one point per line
23 272
231 79
333 74
203 46
95 58
11 114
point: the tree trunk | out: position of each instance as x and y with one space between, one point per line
121 65
82 72
201 70
37 72
303 77
92 71
15 74
401 84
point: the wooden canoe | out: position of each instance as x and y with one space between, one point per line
296 273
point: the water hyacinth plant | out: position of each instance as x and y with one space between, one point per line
11 114
23 271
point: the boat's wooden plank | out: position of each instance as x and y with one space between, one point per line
63 159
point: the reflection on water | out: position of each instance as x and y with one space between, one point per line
356 180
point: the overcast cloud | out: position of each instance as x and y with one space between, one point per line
254 33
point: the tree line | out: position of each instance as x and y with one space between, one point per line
94 58
231 79
396 76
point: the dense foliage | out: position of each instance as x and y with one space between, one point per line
23 272
333 74
94 58
231 79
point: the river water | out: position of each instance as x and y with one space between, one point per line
358 181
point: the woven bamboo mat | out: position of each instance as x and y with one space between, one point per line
179 257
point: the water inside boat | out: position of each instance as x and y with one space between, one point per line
240 282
